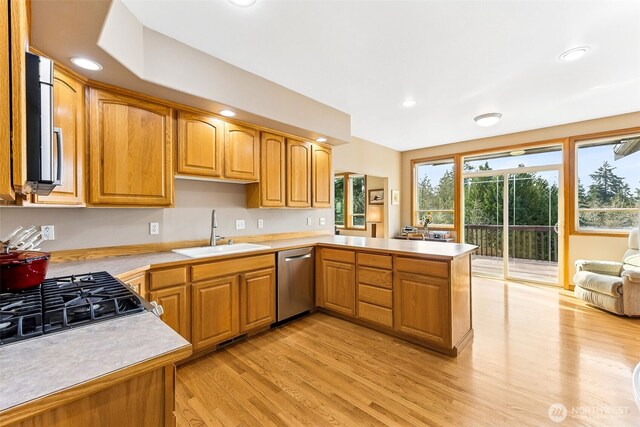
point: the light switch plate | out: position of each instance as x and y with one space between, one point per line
260 223
308 220
154 228
323 221
239 224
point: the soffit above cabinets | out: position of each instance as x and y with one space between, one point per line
457 60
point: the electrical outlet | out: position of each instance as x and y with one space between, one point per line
48 232
308 220
260 223
323 221
154 228
239 224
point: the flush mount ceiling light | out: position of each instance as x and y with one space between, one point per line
321 139
243 3
575 53
409 102
227 113
517 152
85 63
489 119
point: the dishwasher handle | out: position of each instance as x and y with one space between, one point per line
293 258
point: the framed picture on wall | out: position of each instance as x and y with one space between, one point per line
395 197
376 197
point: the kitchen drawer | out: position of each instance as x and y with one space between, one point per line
339 255
377 261
373 313
232 266
423 267
375 277
377 296
170 277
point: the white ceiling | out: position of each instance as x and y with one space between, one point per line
458 59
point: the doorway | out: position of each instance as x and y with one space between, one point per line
513 214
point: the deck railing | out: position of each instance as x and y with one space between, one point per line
535 242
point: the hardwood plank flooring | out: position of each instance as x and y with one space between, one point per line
534 346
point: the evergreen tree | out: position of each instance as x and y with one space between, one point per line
608 189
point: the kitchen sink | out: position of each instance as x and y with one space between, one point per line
206 251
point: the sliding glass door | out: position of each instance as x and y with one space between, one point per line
512 212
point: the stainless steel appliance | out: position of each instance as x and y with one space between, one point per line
65 303
439 235
44 158
296 282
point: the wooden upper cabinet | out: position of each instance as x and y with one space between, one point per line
215 311
200 144
322 178
270 192
68 114
298 173
257 299
6 187
130 151
241 153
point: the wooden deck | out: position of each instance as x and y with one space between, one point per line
526 269
534 346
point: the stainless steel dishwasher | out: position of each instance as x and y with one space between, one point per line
296 282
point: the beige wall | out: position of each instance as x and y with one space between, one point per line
606 248
189 220
365 157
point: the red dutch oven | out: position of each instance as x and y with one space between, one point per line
21 270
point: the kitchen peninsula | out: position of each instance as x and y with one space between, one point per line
419 291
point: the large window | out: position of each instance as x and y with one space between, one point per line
434 184
350 201
608 183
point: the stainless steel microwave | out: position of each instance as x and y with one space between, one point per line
44 142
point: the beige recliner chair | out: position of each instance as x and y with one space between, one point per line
612 286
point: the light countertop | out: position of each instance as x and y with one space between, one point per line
38 367
123 264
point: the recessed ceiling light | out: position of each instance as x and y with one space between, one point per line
575 53
321 139
517 152
227 113
488 119
410 102
85 63
243 3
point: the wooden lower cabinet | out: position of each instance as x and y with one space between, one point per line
138 282
177 310
421 307
144 400
215 316
339 287
257 299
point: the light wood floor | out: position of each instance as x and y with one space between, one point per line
534 346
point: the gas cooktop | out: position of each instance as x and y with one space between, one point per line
65 302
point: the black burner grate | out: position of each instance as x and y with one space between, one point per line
76 300
62 303
20 315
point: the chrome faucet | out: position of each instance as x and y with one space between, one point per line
214 224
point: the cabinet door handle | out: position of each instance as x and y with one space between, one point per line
293 258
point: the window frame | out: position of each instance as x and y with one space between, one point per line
574 219
415 212
348 208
